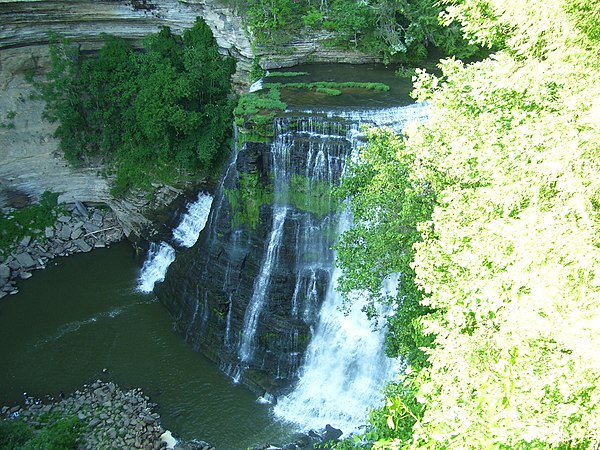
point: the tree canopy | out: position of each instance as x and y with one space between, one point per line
505 260
152 115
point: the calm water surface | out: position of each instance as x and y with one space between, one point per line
70 321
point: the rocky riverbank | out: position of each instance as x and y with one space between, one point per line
110 418
79 229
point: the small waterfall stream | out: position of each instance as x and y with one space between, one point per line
160 256
259 296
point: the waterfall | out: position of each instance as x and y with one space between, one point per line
258 295
160 256
345 366
193 221
260 289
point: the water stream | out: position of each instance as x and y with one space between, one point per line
161 255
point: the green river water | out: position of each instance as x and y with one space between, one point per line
72 320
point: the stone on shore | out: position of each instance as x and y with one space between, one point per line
70 234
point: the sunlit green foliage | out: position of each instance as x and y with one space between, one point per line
509 260
152 115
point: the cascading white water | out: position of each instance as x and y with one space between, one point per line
395 117
344 372
160 256
345 366
194 220
260 287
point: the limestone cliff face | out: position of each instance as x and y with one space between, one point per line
30 162
24 27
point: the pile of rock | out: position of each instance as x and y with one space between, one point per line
80 229
111 418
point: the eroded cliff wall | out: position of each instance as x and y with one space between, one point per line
30 161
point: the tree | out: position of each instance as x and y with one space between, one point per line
508 261
151 115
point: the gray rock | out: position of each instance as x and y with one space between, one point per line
97 216
4 272
65 233
81 209
64 219
90 227
25 241
95 421
83 246
25 275
76 233
25 260
331 434
49 232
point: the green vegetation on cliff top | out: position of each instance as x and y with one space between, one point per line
150 116
400 30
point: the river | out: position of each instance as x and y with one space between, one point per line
83 315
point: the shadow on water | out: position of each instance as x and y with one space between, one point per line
71 321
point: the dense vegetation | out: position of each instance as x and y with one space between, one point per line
151 115
491 212
394 29
53 432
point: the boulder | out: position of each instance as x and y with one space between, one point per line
4 273
83 246
65 232
76 233
81 209
25 260
331 434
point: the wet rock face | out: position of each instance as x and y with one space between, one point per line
248 293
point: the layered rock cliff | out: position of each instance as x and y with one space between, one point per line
30 162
